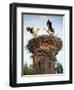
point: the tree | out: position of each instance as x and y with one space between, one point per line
59 68
27 70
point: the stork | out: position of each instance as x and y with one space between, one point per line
49 25
33 31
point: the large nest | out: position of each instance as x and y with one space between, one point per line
45 44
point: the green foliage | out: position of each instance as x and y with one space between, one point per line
28 70
59 68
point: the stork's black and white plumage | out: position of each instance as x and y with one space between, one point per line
49 25
32 30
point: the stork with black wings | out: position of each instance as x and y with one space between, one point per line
33 31
49 25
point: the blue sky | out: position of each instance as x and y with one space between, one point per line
39 21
